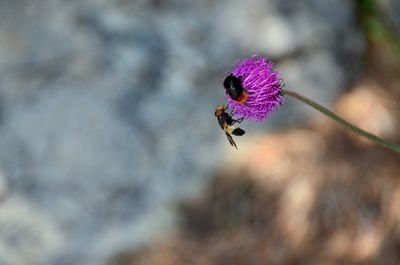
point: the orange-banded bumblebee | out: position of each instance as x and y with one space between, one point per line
234 88
226 122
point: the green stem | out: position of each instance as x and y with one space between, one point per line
343 122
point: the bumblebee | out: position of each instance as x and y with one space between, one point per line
234 88
226 122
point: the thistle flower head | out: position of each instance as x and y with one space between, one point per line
261 86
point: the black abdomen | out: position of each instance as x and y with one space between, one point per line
233 86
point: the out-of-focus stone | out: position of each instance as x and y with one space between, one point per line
106 107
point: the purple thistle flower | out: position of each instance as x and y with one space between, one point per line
262 88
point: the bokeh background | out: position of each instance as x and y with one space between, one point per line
110 153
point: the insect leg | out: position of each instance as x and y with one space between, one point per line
237 121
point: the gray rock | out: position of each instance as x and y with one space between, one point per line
106 115
390 10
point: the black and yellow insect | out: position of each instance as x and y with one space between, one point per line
234 88
226 122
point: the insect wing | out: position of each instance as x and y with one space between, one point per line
238 132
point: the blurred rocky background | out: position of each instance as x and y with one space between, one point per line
110 153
